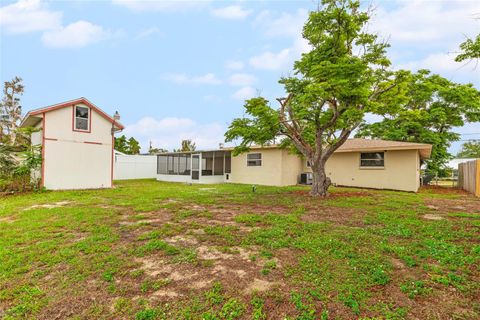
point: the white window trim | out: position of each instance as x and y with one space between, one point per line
75 118
371 167
256 160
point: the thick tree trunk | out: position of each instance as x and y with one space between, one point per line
320 182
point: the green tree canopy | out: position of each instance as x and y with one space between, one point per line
121 144
470 50
187 145
431 108
470 149
127 146
344 75
133 146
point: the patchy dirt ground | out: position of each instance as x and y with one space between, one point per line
358 253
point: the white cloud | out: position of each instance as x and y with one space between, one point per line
182 78
234 65
242 79
438 62
445 65
169 132
270 60
28 16
244 93
281 60
147 32
234 12
159 5
75 35
433 23
286 24
283 25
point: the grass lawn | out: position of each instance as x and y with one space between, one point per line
152 250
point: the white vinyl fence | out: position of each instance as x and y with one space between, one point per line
469 176
135 167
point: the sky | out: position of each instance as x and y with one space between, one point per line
181 70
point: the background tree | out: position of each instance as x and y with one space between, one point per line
133 146
121 144
344 75
432 107
470 149
10 110
28 170
7 162
152 150
187 145
127 146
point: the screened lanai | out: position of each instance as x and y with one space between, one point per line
194 166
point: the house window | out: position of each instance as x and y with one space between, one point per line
254 159
82 117
372 160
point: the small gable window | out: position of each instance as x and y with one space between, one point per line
82 118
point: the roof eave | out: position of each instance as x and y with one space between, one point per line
83 100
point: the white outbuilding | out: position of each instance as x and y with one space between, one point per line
77 140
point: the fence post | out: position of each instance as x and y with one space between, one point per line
477 179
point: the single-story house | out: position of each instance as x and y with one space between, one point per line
77 144
378 164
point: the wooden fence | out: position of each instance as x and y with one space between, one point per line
469 176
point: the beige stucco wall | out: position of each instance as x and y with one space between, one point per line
76 160
76 165
279 168
401 171
59 126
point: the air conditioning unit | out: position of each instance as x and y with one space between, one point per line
306 178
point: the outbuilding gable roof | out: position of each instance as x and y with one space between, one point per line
33 116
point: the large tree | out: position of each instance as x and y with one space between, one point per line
10 110
432 107
342 77
470 149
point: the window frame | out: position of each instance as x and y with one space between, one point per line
370 167
258 162
74 118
